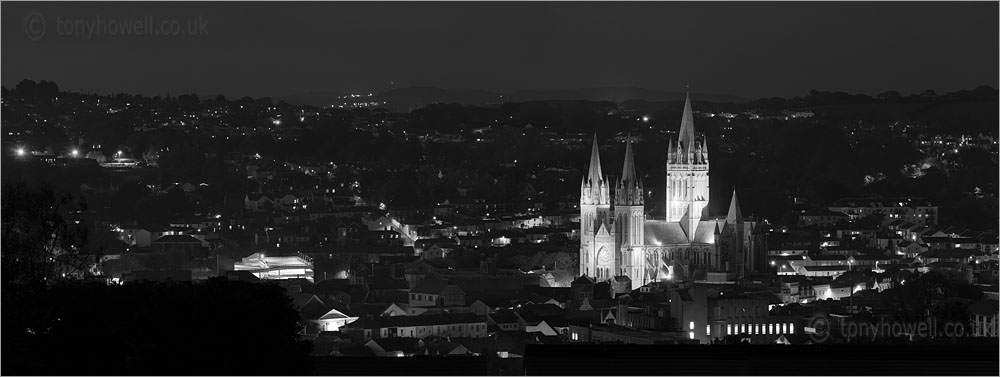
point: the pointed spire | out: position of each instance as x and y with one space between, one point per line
670 150
704 147
734 215
629 176
687 126
595 174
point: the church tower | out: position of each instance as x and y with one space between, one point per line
629 219
595 211
687 176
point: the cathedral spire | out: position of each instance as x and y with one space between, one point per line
629 176
704 147
734 215
670 150
595 174
686 138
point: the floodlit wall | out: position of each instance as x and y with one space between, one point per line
277 267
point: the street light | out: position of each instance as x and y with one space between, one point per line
74 152
20 151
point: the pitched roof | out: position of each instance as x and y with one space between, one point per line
949 265
369 308
661 232
427 242
430 286
583 279
491 301
828 257
447 348
543 310
333 314
314 309
424 265
178 239
825 268
504 316
407 345
560 278
421 320
794 339
705 233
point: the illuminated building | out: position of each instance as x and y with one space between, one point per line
618 239
265 267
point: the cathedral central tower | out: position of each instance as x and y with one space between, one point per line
687 176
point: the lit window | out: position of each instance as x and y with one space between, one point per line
691 334
791 327
691 325
729 329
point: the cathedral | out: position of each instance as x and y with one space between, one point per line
618 239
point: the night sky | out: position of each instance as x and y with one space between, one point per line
743 49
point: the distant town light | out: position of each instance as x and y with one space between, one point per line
645 118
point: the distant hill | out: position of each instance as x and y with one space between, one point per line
617 94
971 116
318 99
407 99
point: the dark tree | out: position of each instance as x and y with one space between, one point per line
214 328
41 239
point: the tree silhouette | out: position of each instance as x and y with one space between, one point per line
41 239
214 328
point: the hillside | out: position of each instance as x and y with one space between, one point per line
408 99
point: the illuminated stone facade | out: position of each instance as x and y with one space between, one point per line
619 239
